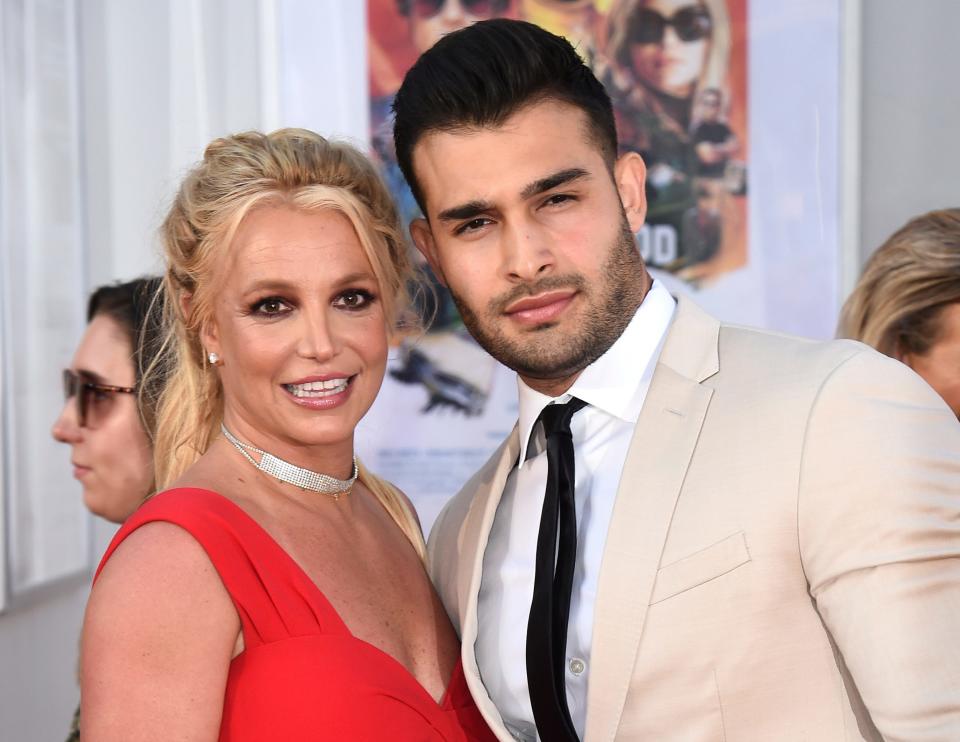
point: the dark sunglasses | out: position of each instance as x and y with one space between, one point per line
691 23
429 8
92 398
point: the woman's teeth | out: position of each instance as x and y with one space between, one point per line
317 389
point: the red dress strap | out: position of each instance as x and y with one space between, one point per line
269 593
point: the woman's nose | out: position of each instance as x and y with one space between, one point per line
65 428
318 339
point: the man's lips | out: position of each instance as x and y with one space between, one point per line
540 308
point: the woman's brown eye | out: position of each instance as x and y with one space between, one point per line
269 306
354 299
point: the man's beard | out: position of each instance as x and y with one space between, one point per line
608 308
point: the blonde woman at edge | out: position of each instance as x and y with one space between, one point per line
275 589
907 302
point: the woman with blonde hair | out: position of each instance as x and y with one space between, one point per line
275 589
907 302
660 54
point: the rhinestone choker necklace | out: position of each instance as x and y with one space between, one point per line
291 474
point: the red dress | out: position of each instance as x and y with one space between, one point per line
302 674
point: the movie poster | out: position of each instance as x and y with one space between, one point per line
676 72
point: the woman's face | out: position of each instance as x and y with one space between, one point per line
669 41
430 20
110 453
298 324
940 365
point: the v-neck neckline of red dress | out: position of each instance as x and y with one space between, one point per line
300 574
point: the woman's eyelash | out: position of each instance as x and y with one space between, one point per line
273 306
365 298
276 304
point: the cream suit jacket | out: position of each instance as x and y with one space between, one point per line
783 560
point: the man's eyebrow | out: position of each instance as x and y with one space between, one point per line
464 211
552 181
472 209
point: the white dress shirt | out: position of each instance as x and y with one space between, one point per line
614 388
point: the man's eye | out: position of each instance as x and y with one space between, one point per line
354 299
473 225
270 306
558 198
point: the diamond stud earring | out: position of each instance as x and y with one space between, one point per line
213 358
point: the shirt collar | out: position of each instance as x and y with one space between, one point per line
611 383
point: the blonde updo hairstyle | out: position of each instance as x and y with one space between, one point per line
905 286
291 167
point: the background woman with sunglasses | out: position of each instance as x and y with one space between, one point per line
660 53
107 418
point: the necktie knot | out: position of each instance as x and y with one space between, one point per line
556 417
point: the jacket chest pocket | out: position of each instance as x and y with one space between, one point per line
702 566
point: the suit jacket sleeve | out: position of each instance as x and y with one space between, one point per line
879 529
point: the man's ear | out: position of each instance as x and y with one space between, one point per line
630 175
422 237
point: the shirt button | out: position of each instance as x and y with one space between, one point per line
577 666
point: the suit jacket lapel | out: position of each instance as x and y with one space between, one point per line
472 543
656 464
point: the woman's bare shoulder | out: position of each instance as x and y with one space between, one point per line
158 637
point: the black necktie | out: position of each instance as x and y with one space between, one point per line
550 607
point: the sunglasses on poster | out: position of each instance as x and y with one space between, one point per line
424 9
691 23
93 399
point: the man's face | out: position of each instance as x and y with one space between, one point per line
527 230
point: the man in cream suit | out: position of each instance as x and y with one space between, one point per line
766 540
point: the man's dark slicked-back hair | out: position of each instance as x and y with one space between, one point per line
481 75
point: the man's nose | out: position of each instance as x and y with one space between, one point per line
527 253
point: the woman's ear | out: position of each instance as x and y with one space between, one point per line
209 337
903 356
630 175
